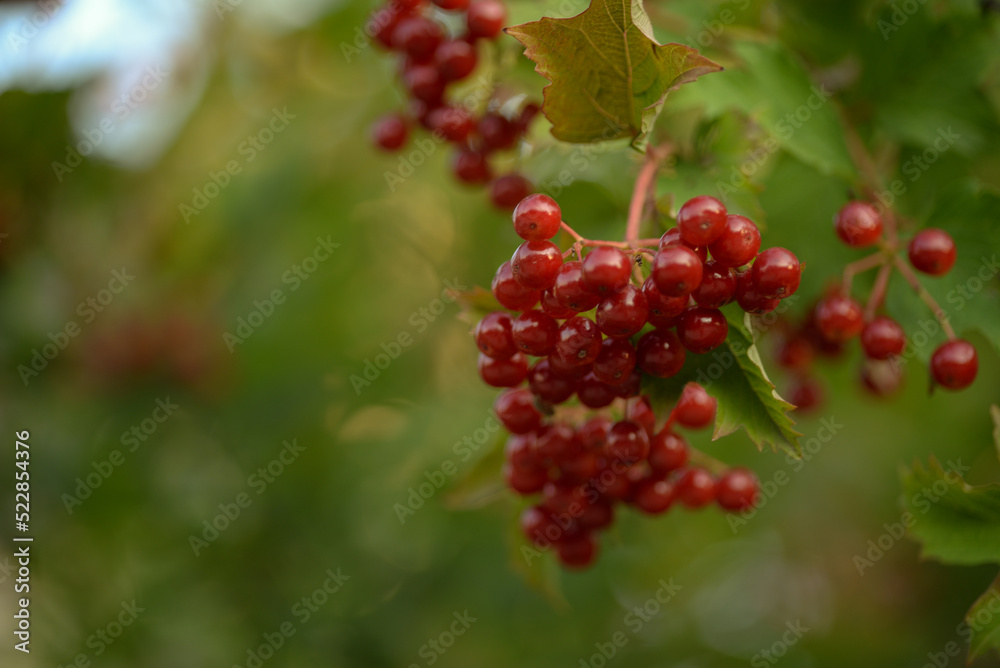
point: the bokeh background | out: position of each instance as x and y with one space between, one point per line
214 75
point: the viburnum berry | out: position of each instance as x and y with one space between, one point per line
677 271
418 36
534 332
510 293
485 18
471 167
750 298
507 190
536 263
954 364
579 340
702 220
454 123
641 413
517 411
695 488
858 224
738 243
805 393
695 408
615 362
390 132
653 496
882 338
497 132
932 251
508 372
667 452
627 442
736 489
660 353
577 551
593 392
548 386
524 481
838 317
455 59
555 441
702 329
717 287
623 314
494 336
570 290
424 82
606 270
451 5
776 273
663 310
537 218
536 523
552 306
672 237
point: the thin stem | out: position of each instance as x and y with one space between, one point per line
643 185
573 233
878 291
864 264
914 282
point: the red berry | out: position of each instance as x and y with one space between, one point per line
750 298
570 291
548 386
954 364
702 329
660 353
424 82
536 263
452 5
642 414
795 353
497 132
516 410
881 378
653 496
615 362
776 273
858 224
663 310
454 123
455 60
672 237
485 18
552 306
509 189
594 393
510 293
577 551
555 442
418 36
534 333
524 480
503 373
667 452
736 489
471 167
623 314
594 432
882 338
537 217
677 271
494 337
738 243
805 393
701 220
390 132
695 488
579 340
718 286
932 251
696 408
538 525
627 442
606 270
838 318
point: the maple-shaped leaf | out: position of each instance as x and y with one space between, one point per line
609 76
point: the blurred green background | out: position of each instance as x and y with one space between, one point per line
330 505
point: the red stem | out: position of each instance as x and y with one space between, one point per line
878 291
914 282
858 266
643 185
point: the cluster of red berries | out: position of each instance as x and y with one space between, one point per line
581 473
596 359
837 318
430 61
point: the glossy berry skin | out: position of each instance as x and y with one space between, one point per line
418 37
568 367
570 290
455 60
663 310
642 414
516 410
882 338
736 490
623 314
390 133
672 237
932 251
718 286
702 220
954 364
776 273
552 306
524 481
425 83
497 132
615 362
652 496
738 243
579 340
695 408
702 329
548 386
577 551
677 271
503 373
749 298
627 442
534 333
668 452
606 270
507 190
695 488
660 353
537 218
454 123
486 18
593 393
494 337
510 293
858 224
554 442
838 318
536 263
471 167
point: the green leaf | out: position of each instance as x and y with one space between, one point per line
747 398
955 522
984 622
483 484
608 75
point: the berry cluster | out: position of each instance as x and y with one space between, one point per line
430 61
673 311
581 473
838 318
